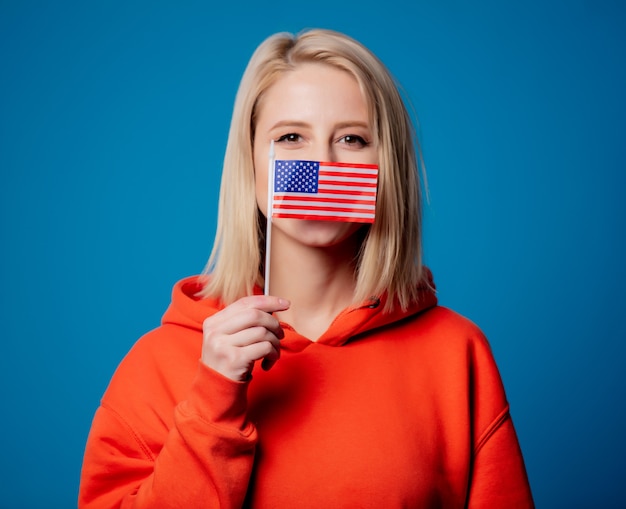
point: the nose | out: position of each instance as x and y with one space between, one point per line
323 151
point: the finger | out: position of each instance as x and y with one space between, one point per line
267 363
264 303
230 359
254 335
262 350
246 318
267 303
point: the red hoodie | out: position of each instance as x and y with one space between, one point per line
401 409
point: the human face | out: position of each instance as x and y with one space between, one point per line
314 112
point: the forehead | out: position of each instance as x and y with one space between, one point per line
311 87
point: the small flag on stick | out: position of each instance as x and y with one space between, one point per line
318 191
268 227
324 191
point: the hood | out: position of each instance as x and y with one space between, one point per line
188 310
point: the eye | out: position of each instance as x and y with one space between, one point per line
354 140
290 138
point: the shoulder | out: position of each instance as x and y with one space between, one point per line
160 366
455 327
481 368
447 327
460 348
165 345
446 319
156 373
470 365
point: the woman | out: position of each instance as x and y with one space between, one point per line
366 393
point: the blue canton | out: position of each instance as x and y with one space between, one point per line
296 176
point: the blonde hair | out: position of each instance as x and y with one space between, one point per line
390 258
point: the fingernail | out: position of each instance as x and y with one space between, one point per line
284 302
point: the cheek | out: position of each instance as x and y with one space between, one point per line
261 193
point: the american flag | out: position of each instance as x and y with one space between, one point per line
325 191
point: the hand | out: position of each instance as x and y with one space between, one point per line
242 333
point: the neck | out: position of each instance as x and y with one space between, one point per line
319 282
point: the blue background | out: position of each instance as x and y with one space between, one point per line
113 123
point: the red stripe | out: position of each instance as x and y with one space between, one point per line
314 208
327 173
284 199
341 183
350 165
311 217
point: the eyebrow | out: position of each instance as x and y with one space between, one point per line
298 123
290 123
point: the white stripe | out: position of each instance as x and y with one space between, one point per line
325 204
347 188
326 195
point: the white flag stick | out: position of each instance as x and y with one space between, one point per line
268 230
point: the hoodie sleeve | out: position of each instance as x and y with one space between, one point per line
204 459
498 475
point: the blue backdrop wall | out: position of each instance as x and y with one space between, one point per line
113 123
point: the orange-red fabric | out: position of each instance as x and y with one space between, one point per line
402 409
